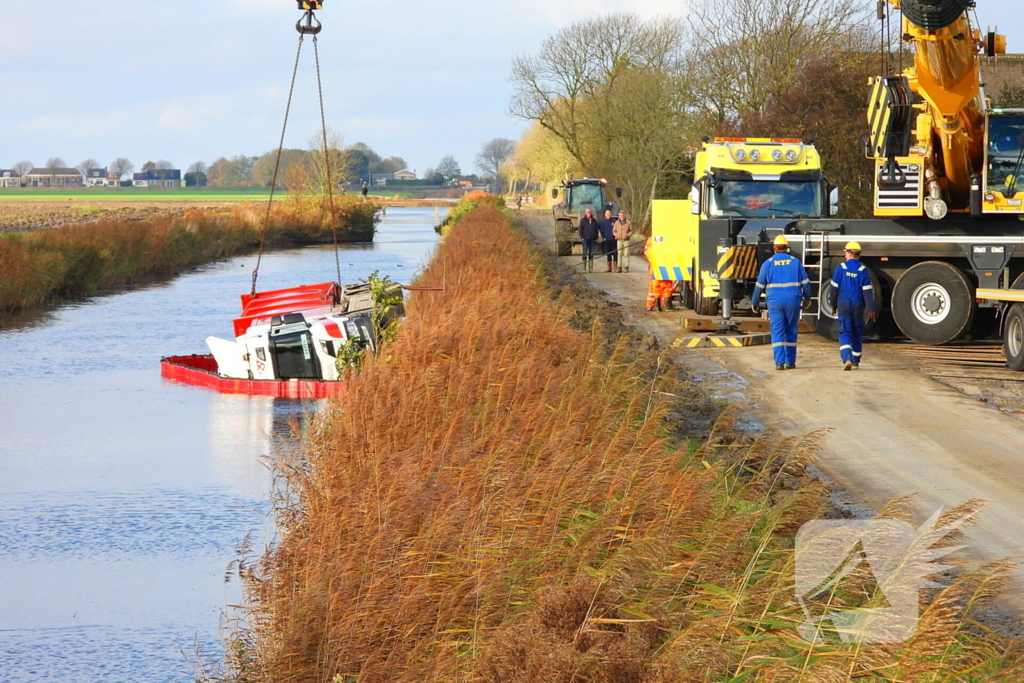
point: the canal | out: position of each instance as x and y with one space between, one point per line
123 497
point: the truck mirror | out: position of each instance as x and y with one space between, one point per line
833 200
618 192
554 193
695 200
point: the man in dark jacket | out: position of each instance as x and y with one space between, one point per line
851 294
590 229
611 251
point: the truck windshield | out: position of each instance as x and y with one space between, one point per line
764 198
295 356
1005 152
586 194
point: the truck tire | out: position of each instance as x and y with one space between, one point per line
1013 338
703 305
933 303
563 238
827 324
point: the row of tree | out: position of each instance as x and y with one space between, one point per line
356 162
630 99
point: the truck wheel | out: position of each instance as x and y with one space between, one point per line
826 323
563 238
703 305
1013 338
933 302
686 296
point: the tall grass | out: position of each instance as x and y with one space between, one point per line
497 499
81 259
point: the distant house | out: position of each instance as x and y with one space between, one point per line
98 177
381 179
168 177
405 174
9 178
53 177
468 184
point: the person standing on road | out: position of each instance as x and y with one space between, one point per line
659 292
850 295
787 288
622 231
610 248
590 229
366 190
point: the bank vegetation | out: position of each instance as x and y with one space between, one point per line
503 497
81 259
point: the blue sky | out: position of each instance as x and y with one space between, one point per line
189 80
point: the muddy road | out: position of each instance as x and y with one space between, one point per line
898 426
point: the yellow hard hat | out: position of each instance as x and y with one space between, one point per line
781 241
853 246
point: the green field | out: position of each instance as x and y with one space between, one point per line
185 194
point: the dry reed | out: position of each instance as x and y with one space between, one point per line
497 500
80 259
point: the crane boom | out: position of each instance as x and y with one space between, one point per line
940 146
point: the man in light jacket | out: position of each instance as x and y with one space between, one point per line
623 230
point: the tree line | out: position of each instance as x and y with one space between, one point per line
302 167
627 98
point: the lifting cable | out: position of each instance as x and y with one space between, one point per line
303 29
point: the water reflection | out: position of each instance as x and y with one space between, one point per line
124 497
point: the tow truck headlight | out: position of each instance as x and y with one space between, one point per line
740 155
755 154
777 154
791 155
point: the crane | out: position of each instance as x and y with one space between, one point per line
948 151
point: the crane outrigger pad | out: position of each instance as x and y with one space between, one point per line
723 341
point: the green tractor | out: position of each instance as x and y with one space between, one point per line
580 194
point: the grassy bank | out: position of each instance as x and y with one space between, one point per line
501 499
81 259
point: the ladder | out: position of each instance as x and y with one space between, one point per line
815 253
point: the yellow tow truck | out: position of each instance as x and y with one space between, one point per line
745 191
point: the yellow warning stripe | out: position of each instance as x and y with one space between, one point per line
724 341
1001 294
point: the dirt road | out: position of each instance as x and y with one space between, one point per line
894 429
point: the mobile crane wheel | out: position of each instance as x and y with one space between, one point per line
933 302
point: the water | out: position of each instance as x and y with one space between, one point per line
123 497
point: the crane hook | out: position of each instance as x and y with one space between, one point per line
309 27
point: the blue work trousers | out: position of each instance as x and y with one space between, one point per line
784 317
588 249
851 331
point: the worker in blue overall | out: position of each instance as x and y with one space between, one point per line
850 295
787 289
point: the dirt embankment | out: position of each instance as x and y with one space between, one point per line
18 216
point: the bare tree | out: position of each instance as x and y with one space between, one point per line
54 165
448 167
552 86
164 165
22 167
493 155
120 166
85 166
323 168
748 51
198 167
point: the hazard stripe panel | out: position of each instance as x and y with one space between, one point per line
723 341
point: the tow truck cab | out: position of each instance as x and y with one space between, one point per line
745 191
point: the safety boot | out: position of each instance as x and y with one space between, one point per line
608 267
791 366
780 367
848 365
668 304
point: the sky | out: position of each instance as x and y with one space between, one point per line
191 80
